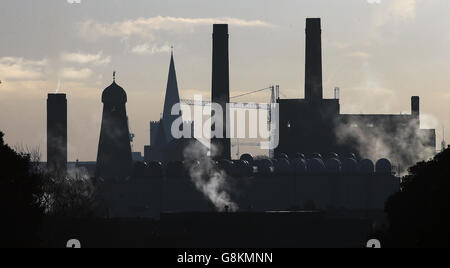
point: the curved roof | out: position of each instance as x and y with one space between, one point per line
333 165
349 165
114 94
366 166
315 165
299 165
383 166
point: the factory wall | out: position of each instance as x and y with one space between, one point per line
149 195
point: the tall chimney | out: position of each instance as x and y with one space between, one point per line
313 68
415 106
57 133
221 86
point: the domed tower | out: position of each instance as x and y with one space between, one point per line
114 160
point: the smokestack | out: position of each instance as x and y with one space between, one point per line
415 106
57 133
313 68
221 86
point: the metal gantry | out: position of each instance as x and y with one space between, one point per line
275 95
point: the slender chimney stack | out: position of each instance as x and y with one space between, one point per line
57 133
313 68
415 106
221 86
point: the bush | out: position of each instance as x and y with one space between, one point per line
419 214
20 194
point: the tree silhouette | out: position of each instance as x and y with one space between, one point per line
20 195
69 196
419 214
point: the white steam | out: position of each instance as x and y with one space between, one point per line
207 178
58 87
403 143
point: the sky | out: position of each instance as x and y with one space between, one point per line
379 52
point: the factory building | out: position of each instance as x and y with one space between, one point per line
316 125
258 185
314 169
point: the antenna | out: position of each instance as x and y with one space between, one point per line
114 76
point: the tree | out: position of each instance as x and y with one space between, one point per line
20 195
419 213
69 196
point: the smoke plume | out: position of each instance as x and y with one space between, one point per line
58 87
403 145
207 177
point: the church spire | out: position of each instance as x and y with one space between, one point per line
172 98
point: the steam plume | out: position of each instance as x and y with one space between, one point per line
58 87
404 146
208 179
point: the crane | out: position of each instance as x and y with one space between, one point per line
275 95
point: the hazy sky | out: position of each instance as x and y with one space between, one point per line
380 52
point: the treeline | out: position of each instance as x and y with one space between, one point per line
28 193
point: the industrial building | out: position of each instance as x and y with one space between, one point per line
291 182
304 175
319 183
257 186
316 125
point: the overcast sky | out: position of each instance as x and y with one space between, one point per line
379 52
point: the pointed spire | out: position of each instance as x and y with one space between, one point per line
172 62
172 98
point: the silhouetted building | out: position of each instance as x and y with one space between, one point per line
325 184
114 158
172 99
163 146
315 125
329 183
137 157
57 133
154 126
221 86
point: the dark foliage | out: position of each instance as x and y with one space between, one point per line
419 214
20 192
